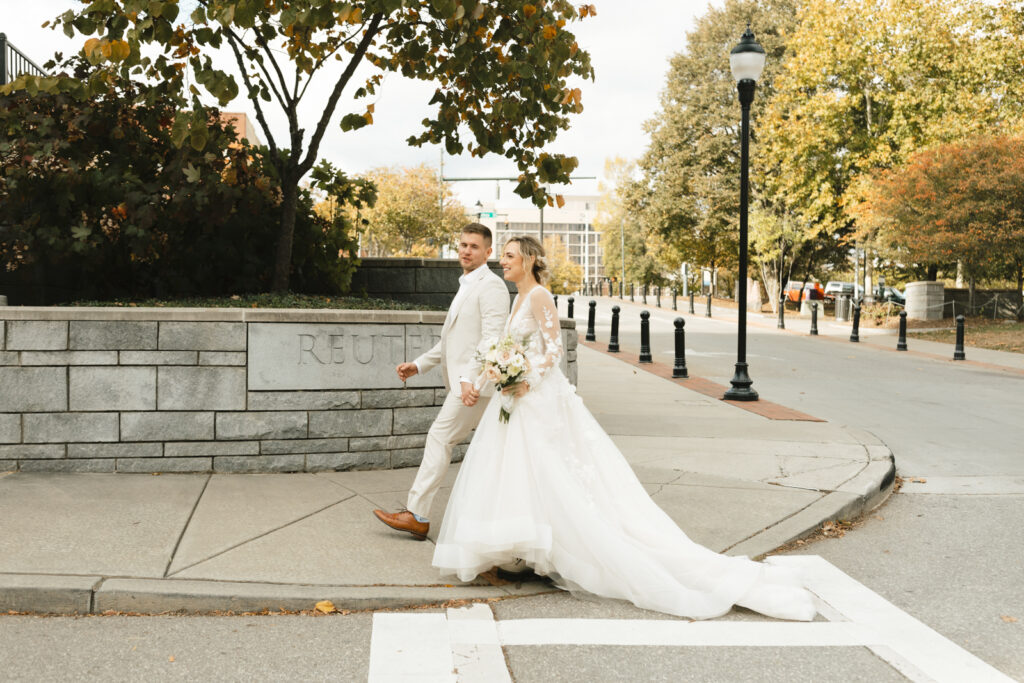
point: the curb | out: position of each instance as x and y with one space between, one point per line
65 594
857 496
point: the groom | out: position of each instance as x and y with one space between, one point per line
478 312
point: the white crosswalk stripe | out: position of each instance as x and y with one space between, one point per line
465 644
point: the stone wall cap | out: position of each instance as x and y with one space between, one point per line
413 262
321 315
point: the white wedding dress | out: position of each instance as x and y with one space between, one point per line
550 487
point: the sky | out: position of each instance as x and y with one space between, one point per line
631 43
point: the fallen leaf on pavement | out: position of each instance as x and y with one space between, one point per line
326 606
171 658
1008 619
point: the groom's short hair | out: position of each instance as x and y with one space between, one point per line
478 229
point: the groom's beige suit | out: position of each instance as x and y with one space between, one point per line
477 313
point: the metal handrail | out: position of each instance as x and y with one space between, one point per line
14 62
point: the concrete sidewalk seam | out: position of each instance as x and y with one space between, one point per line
254 538
188 521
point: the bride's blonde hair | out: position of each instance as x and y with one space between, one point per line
532 249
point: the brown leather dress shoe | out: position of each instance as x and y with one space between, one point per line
404 521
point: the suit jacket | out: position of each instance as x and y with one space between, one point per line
478 315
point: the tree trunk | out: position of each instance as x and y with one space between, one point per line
869 277
286 236
933 273
970 297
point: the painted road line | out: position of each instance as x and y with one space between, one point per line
665 633
927 651
476 648
406 647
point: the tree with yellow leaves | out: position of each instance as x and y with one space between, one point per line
866 83
407 219
566 274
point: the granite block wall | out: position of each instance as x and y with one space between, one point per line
173 390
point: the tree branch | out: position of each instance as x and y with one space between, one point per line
271 143
280 75
332 102
259 63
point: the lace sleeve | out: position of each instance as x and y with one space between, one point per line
550 330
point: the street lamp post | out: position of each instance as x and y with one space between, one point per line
622 253
746 61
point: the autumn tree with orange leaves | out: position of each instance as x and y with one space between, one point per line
961 201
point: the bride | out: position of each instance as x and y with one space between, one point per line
550 488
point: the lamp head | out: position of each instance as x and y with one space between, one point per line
747 59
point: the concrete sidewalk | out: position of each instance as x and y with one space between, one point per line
735 481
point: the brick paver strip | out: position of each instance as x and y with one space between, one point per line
772 411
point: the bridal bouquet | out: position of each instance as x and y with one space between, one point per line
504 363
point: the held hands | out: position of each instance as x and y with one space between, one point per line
470 394
406 370
516 390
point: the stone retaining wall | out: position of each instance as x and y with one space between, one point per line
216 390
432 282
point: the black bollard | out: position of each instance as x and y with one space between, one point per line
644 293
613 341
958 352
691 303
707 313
570 316
782 312
901 343
679 369
645 337
814 318
590 321
674 295
657 293
622 289
855 332
631 292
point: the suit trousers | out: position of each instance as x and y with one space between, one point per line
453 424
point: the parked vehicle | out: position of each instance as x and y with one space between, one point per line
892 294
811 291
834 288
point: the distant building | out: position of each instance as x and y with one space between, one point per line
243 126
573 224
